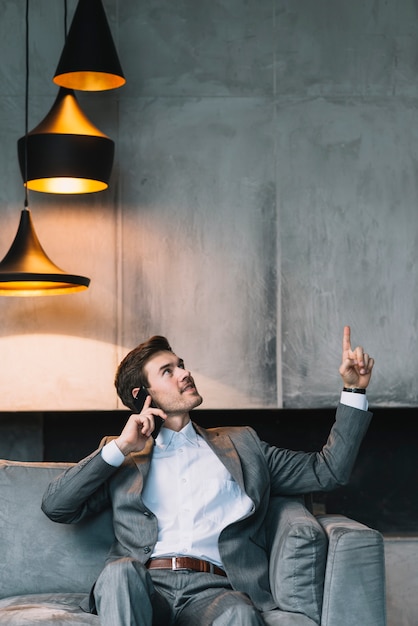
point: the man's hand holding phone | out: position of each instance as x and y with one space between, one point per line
139 427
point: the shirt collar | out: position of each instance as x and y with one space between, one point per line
168 438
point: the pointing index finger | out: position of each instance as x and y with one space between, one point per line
346 339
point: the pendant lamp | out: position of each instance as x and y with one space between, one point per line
66 153
89 61
26 270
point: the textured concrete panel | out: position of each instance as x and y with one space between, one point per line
347 193
62 350
206 48
346 48
199 243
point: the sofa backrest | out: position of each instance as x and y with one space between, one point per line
37 555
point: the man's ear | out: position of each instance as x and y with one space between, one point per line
135 391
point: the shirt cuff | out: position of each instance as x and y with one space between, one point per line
356 400
112 455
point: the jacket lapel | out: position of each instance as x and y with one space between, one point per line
138 464
224 449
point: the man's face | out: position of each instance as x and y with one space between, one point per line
171 386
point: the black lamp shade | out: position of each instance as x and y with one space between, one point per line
66 153
66 163
26 270
89 61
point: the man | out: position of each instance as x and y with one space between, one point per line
189 508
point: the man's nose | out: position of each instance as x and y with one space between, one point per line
183 373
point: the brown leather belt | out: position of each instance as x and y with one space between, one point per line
185 562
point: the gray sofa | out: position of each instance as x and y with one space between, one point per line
327 570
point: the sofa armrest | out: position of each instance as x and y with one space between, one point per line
354 588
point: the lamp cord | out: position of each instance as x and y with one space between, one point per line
65 19
26 105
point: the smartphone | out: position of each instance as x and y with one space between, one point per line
139 402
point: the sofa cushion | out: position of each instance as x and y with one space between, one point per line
298 548
37 555
59 609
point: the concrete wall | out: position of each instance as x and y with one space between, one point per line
401 554
263 195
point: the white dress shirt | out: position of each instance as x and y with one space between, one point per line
191 493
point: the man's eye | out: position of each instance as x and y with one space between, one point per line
181 365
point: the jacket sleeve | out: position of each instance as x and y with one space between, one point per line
80 491
301 472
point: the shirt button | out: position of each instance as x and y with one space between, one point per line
147 549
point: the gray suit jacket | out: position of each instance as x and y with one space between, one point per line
260 469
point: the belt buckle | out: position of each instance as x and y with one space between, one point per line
174 567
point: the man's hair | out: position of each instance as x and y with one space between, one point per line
131 370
